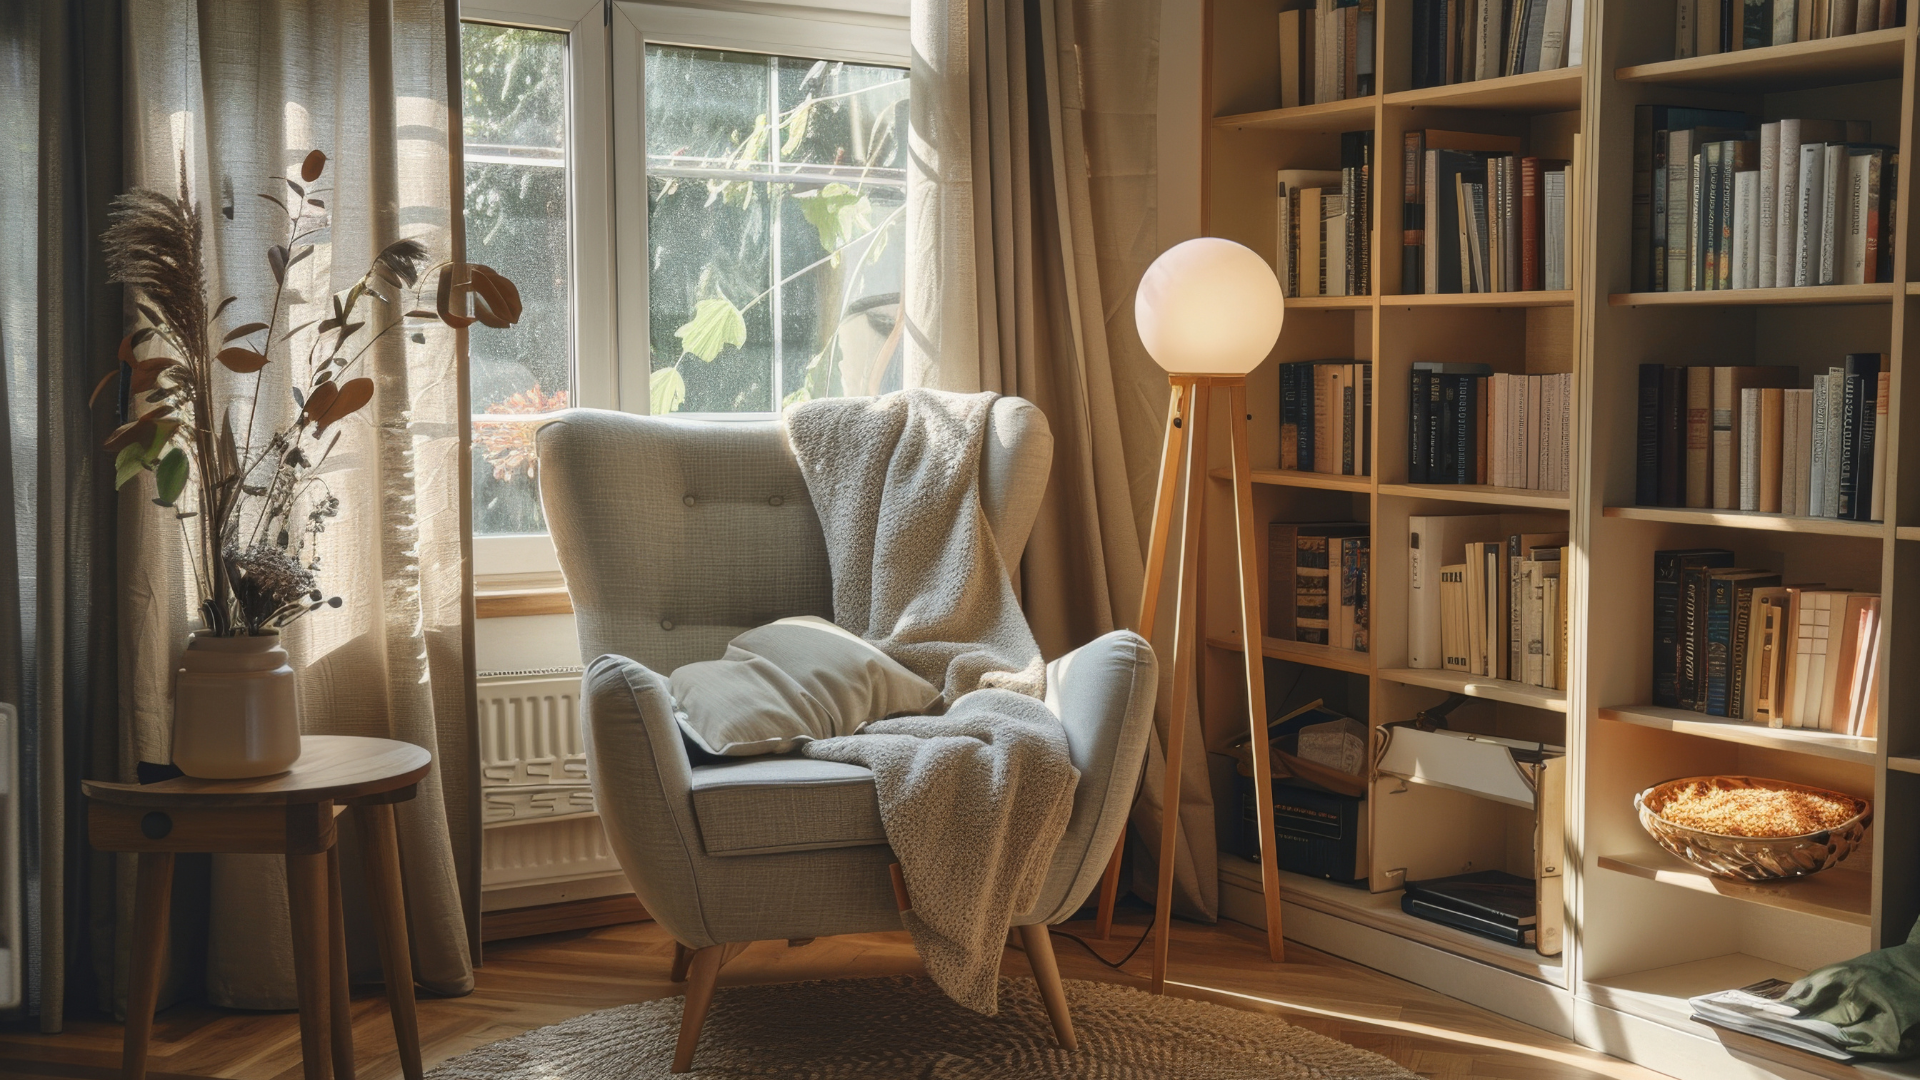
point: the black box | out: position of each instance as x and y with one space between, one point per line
1316 833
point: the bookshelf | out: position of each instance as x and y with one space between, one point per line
1644 931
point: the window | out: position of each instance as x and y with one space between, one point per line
514 96
776 195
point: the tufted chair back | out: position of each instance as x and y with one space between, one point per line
676 535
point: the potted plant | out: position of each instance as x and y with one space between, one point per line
252 500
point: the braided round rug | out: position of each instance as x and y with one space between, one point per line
903 1026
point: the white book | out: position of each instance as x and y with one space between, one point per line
1333 244
1765 226
1535 424
1533 617
1786 206
1434 542
1497 438
1553 262
1749 448
1853 259
1549 431
1553 41
1785 22
1817 452
1804 440
1550 629
1282 236
1566 431
1516 449
1746 196
1806 244
1576 32
1836 437
1789 452
1833 217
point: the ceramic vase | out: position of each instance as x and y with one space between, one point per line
234 712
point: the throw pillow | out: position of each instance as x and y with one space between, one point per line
791 682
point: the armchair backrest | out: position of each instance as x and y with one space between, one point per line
676 535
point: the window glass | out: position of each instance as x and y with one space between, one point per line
776 204
517 222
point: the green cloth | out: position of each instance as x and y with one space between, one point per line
1874 999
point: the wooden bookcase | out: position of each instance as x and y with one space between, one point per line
1643 932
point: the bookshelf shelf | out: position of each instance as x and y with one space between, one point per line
1302 652
1483 494
1294 478
1904 764
1827 62
1479 686
1839 894
1533 299
1660 994
1323 303
1824 744
1749 519
1329 116
1907 532
1536 92
1837 295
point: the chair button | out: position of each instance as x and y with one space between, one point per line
666 624
775 501
688 499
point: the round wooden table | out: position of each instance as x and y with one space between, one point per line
291 814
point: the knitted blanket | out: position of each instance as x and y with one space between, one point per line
974 801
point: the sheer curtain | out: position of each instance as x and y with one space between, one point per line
60 161
240 90
1031 214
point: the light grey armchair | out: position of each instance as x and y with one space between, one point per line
676 535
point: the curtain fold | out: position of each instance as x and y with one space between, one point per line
60 161
1031 210
237 92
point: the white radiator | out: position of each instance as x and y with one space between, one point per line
537 807
13 949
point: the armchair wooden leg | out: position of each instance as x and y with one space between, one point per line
1046 973
703 968
682 956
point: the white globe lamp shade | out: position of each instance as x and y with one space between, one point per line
1209 307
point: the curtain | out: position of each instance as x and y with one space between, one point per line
60 161
237 92
1031 214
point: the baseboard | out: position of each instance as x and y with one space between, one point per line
561 917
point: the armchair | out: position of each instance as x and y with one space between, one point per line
676 535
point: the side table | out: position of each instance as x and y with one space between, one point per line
290 814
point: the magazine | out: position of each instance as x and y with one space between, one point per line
1756 1010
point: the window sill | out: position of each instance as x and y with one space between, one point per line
515 603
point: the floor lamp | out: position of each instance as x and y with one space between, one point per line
1209 311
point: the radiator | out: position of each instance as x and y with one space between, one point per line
13 948
537 807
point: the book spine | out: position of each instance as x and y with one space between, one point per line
1640 271
1311 617
1719 644
1673 427
1817 456
1417 419
1347 429
1699 437
1530 223
1769 192
1771 421
1724 477
1466 425
1366 419
1749 449
1666 629
1657 267
1877 506
1849 440
1737 649
1693 634
1832 217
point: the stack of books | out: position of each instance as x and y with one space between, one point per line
1456 41
1757 1010
1480 216
1486 602
1317 583
1706 27
1468 425
1326 51
1323 242
1745 438
1723 202
1491 903
1326 417
1737 643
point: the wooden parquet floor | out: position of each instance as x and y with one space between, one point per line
538 981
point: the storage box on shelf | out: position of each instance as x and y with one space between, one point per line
1652 931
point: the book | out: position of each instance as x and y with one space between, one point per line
1493 895
1768 637
1699 469
1453 607
1423 908
1726 420
1769 433
1669 568
1673 426
1433 542
1727 603
1315 597
1756 1010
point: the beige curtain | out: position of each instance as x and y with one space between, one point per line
241 89
1031 210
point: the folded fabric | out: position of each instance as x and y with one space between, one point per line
791 682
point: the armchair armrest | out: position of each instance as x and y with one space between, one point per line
1103 693
642 785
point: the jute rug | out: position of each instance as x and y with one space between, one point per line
904 1027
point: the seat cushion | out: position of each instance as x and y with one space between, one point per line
761 805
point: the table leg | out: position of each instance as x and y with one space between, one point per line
307 904
341 1006
153 889
380 847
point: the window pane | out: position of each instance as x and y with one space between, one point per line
774 248
517 223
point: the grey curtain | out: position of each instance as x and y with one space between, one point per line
60 161
1031 214
240 90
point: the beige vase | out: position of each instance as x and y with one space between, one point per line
234 712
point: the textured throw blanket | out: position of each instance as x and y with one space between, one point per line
973 801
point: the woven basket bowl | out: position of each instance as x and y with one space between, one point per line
1752 858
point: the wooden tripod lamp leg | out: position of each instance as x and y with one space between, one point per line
1251 634
1179 402
1183 653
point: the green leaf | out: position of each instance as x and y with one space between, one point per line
130 462
170 476
796 125
838 213
716 324
666 391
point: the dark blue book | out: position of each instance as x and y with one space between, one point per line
1289 416
1861 378
1668 569
1646 462
1417 421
